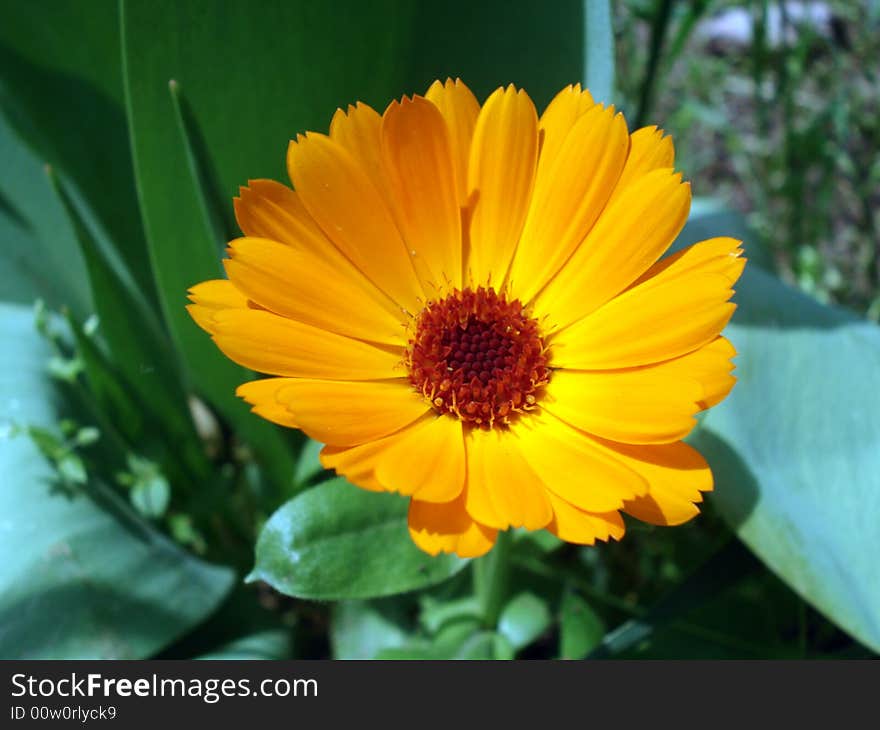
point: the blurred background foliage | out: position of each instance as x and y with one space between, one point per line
147 513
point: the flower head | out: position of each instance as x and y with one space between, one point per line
468 306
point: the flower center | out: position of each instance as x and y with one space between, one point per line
477 356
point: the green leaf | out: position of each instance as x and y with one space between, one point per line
336 541
86 577
523 620
435 613
140 349
308 465
215 142
461 639
64 55
150 496
580 628
710 218
728 565
361 629
39 256
495 42
795 448
272 645
599 50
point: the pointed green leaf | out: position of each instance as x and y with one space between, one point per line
39 256
580 628
306 548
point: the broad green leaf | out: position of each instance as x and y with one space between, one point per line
361 629
336 541
599 50
81 575
795 448
523 620
580 628
710 218
183 247
39 256
203 139
495 42
64 55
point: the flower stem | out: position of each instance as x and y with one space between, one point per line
491 574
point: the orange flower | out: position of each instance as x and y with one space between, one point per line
466 305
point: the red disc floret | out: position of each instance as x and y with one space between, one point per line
477 356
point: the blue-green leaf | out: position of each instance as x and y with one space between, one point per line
82 576
599 50
39 256
795 448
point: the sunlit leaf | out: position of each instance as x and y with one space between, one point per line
795 448
306 547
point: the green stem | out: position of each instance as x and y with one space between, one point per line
491 574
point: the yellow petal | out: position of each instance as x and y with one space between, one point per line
648 150
448 528
268 209
342 413
630 235
211 297
569 195
720 256
559 117
276 345
677 475
261 395
502 490
417 155
501 174
428 462
358 463
638 406
322 291
574 466
346 204
460 109
357 130
681 307
583 528
711 367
